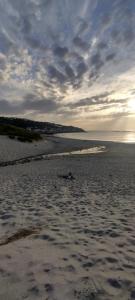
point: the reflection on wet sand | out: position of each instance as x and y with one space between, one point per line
92 150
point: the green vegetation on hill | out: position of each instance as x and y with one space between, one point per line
41 127
23 135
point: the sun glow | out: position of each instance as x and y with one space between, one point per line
131 105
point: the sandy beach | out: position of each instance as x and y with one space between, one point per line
65 238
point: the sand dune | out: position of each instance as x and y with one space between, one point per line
13 149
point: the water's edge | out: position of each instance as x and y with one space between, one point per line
105 136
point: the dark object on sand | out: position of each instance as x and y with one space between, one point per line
22 233
69 176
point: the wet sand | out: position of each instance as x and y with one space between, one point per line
64 238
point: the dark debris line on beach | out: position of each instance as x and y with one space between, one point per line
21 161
28 159
20 234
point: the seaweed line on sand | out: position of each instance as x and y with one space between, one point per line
20 234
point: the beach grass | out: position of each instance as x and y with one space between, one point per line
22 135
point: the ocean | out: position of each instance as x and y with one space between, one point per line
112 136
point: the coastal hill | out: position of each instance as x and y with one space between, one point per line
26 130
40 127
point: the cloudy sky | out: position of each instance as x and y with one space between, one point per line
69 61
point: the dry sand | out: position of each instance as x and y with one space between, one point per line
12 149
65 239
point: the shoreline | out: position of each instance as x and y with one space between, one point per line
105 136
58 145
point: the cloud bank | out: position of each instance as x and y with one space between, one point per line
67 61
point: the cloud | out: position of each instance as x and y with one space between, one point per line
78 42
96 61
113 116
2 61
39 105
8 108
81 69
5 43
102 45
106 19
30 103
34 42
54 73
96 101
129 35
60 51
110 56
69 71
26 25
83 26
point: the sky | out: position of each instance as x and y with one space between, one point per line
69 62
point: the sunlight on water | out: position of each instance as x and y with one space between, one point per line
130 137
112 136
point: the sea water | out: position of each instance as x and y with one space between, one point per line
112 136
